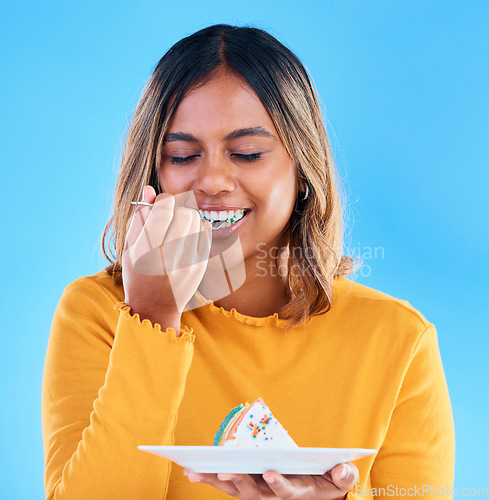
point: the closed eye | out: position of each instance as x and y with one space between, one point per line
179 160
250 157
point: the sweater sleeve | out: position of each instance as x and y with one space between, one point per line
418 449
111 383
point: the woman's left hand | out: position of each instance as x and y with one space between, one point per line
333 485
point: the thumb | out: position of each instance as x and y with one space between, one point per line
149 194
345 475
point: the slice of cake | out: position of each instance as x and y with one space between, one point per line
252 426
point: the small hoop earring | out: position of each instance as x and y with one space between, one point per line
307 193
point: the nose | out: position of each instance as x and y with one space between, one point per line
215 174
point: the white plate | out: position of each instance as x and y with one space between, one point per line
214 459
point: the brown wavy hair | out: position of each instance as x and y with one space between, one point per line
315 231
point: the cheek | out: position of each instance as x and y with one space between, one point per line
273 215
163 180
282 193
171 181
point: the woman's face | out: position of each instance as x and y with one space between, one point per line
222 145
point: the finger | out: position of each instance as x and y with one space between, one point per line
184 220
145 254
149 194
141 213
205 238
180 243
202 242
158 222
213 480
198 240
284 488
135 225
186 199
245 484
344 476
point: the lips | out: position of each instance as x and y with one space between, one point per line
226 231
227 216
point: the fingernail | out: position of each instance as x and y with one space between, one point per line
193 477
269 479
185 472
344 472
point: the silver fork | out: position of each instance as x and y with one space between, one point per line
217 226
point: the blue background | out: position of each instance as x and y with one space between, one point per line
404 86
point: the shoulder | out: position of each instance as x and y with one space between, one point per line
370 304
86 311
93 296
370 318
98 286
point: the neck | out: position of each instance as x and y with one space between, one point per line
264 291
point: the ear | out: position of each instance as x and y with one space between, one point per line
301 183
302 186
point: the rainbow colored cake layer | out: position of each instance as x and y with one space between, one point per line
252 426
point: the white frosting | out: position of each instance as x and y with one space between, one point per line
260 428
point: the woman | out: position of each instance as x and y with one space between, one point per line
228 154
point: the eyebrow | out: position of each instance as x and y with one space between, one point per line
242 132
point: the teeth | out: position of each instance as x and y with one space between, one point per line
231 215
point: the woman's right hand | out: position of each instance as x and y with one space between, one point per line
164 259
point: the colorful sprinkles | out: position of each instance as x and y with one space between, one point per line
250 425
256 428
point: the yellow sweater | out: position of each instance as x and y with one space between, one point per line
367 374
